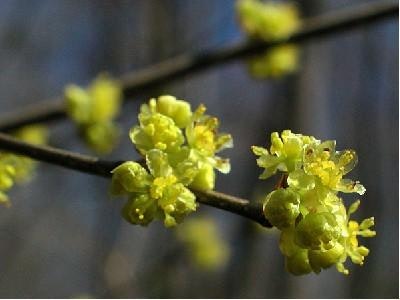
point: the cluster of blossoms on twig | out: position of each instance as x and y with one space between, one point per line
93 110
316 230
179 147
18 168
270 21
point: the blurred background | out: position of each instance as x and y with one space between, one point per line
63 235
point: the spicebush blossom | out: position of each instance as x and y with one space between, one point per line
316 230
180 149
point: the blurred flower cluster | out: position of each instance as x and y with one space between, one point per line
93 110
270 21
18 168
206 248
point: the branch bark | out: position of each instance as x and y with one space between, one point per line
136 82
103 168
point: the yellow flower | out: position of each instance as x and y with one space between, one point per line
205 141
18 168
276 62
179 146
350 242
205 246
156 131
271 21
316 232
178 110
154 194
93 109
268 20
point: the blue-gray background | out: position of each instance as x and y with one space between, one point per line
63 237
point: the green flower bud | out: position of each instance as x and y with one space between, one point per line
286 242
323 259
129 177
177 110
317 231
282 208
298 264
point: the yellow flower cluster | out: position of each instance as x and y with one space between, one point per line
180 149
93 110
316 230
18 168
270 21
205 246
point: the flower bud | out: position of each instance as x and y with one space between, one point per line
282 208
129 177
322 259
177 110
317 231
298 264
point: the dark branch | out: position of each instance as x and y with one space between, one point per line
96 166
177 67
67 159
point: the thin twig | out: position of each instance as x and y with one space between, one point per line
135 82
64 158
96 166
